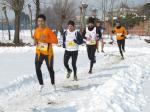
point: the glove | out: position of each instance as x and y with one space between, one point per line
64 46
75 41
122 35
113 31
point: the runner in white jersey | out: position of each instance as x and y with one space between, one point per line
90 34
71 41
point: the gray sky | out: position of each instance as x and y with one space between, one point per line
98 4
91 4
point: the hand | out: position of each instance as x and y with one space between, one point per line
35 42
113 31
32 37
122 35
64 46
75 41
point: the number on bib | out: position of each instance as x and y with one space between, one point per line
93 42
71 43
42 46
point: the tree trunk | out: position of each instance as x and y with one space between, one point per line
30 12
7 21
59 28
37 10
17 27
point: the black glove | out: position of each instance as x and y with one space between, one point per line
75 41
64 46
113 31
122 35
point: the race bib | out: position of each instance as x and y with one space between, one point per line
91 42
71 43
42 46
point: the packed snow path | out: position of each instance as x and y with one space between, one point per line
115 86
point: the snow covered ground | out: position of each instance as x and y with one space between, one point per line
115 86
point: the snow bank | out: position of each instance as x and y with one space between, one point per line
122 93
22 49
19 83
16 49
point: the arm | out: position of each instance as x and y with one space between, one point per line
99 34
83 34
125 32
113 31
79 39
52 37
34 37
64 39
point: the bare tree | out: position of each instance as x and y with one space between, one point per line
7 21
38 9
17 7
60 12
30 13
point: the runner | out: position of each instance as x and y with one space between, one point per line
71 41
91 36
44 38
101 30
120 32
